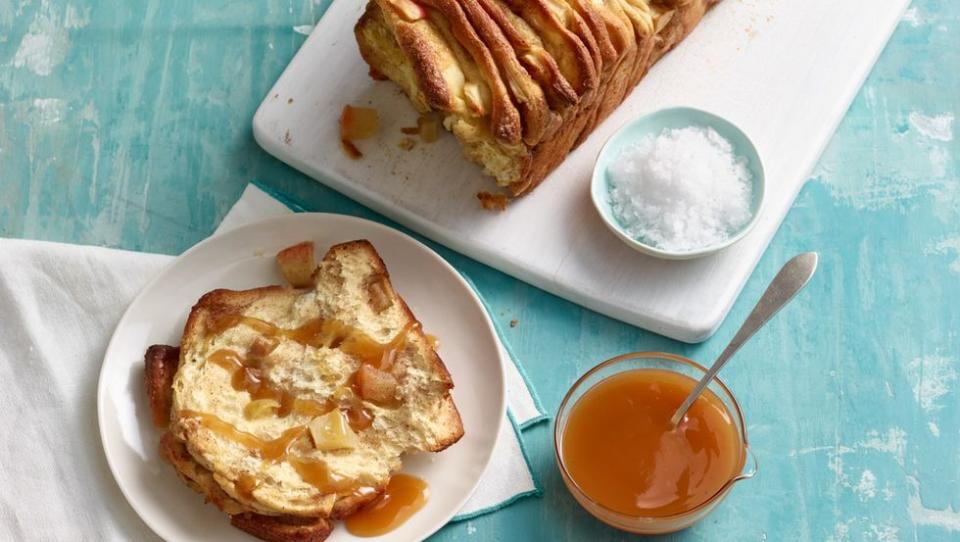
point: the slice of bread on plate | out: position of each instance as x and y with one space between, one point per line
291 407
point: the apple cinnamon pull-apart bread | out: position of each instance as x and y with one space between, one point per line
520 82
288 408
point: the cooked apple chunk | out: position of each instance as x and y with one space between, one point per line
358 123
375 385
297 264
332 432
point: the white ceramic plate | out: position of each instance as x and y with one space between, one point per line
243 258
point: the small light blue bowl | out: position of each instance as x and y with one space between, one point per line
653 124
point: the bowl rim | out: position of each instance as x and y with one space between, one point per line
748 456
598 177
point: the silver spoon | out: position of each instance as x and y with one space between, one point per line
793 276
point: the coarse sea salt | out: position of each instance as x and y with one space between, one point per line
682 190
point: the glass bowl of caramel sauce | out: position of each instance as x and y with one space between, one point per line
623 461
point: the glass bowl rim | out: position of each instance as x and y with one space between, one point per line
741 475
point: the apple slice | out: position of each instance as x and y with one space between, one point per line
375 385
297 264
358 123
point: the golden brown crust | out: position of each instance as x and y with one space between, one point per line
622 39
538 120
504 117
493 202
422 53
160 366
529 49
198 478
222 302
577 63
282 528
379 47
367 247
686 15
297 262
594 19
450 416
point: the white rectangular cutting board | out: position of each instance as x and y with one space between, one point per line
784 71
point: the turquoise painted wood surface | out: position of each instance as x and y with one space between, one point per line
127 124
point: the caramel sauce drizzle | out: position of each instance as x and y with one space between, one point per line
245 485
269 450
317 474
314 472
320 332
246 375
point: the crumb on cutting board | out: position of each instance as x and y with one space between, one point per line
493 202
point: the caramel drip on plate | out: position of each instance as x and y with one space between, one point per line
404 495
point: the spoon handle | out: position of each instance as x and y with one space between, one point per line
793 276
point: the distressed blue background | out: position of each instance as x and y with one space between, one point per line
127 124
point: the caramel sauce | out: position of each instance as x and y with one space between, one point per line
375 353
278 448
270 450
619 448
246 375
319 332
311 408
402 498
317 474
358 416
314 472
245 485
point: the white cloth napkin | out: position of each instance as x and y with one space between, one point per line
59 304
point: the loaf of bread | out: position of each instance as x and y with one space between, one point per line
288 408
520 82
